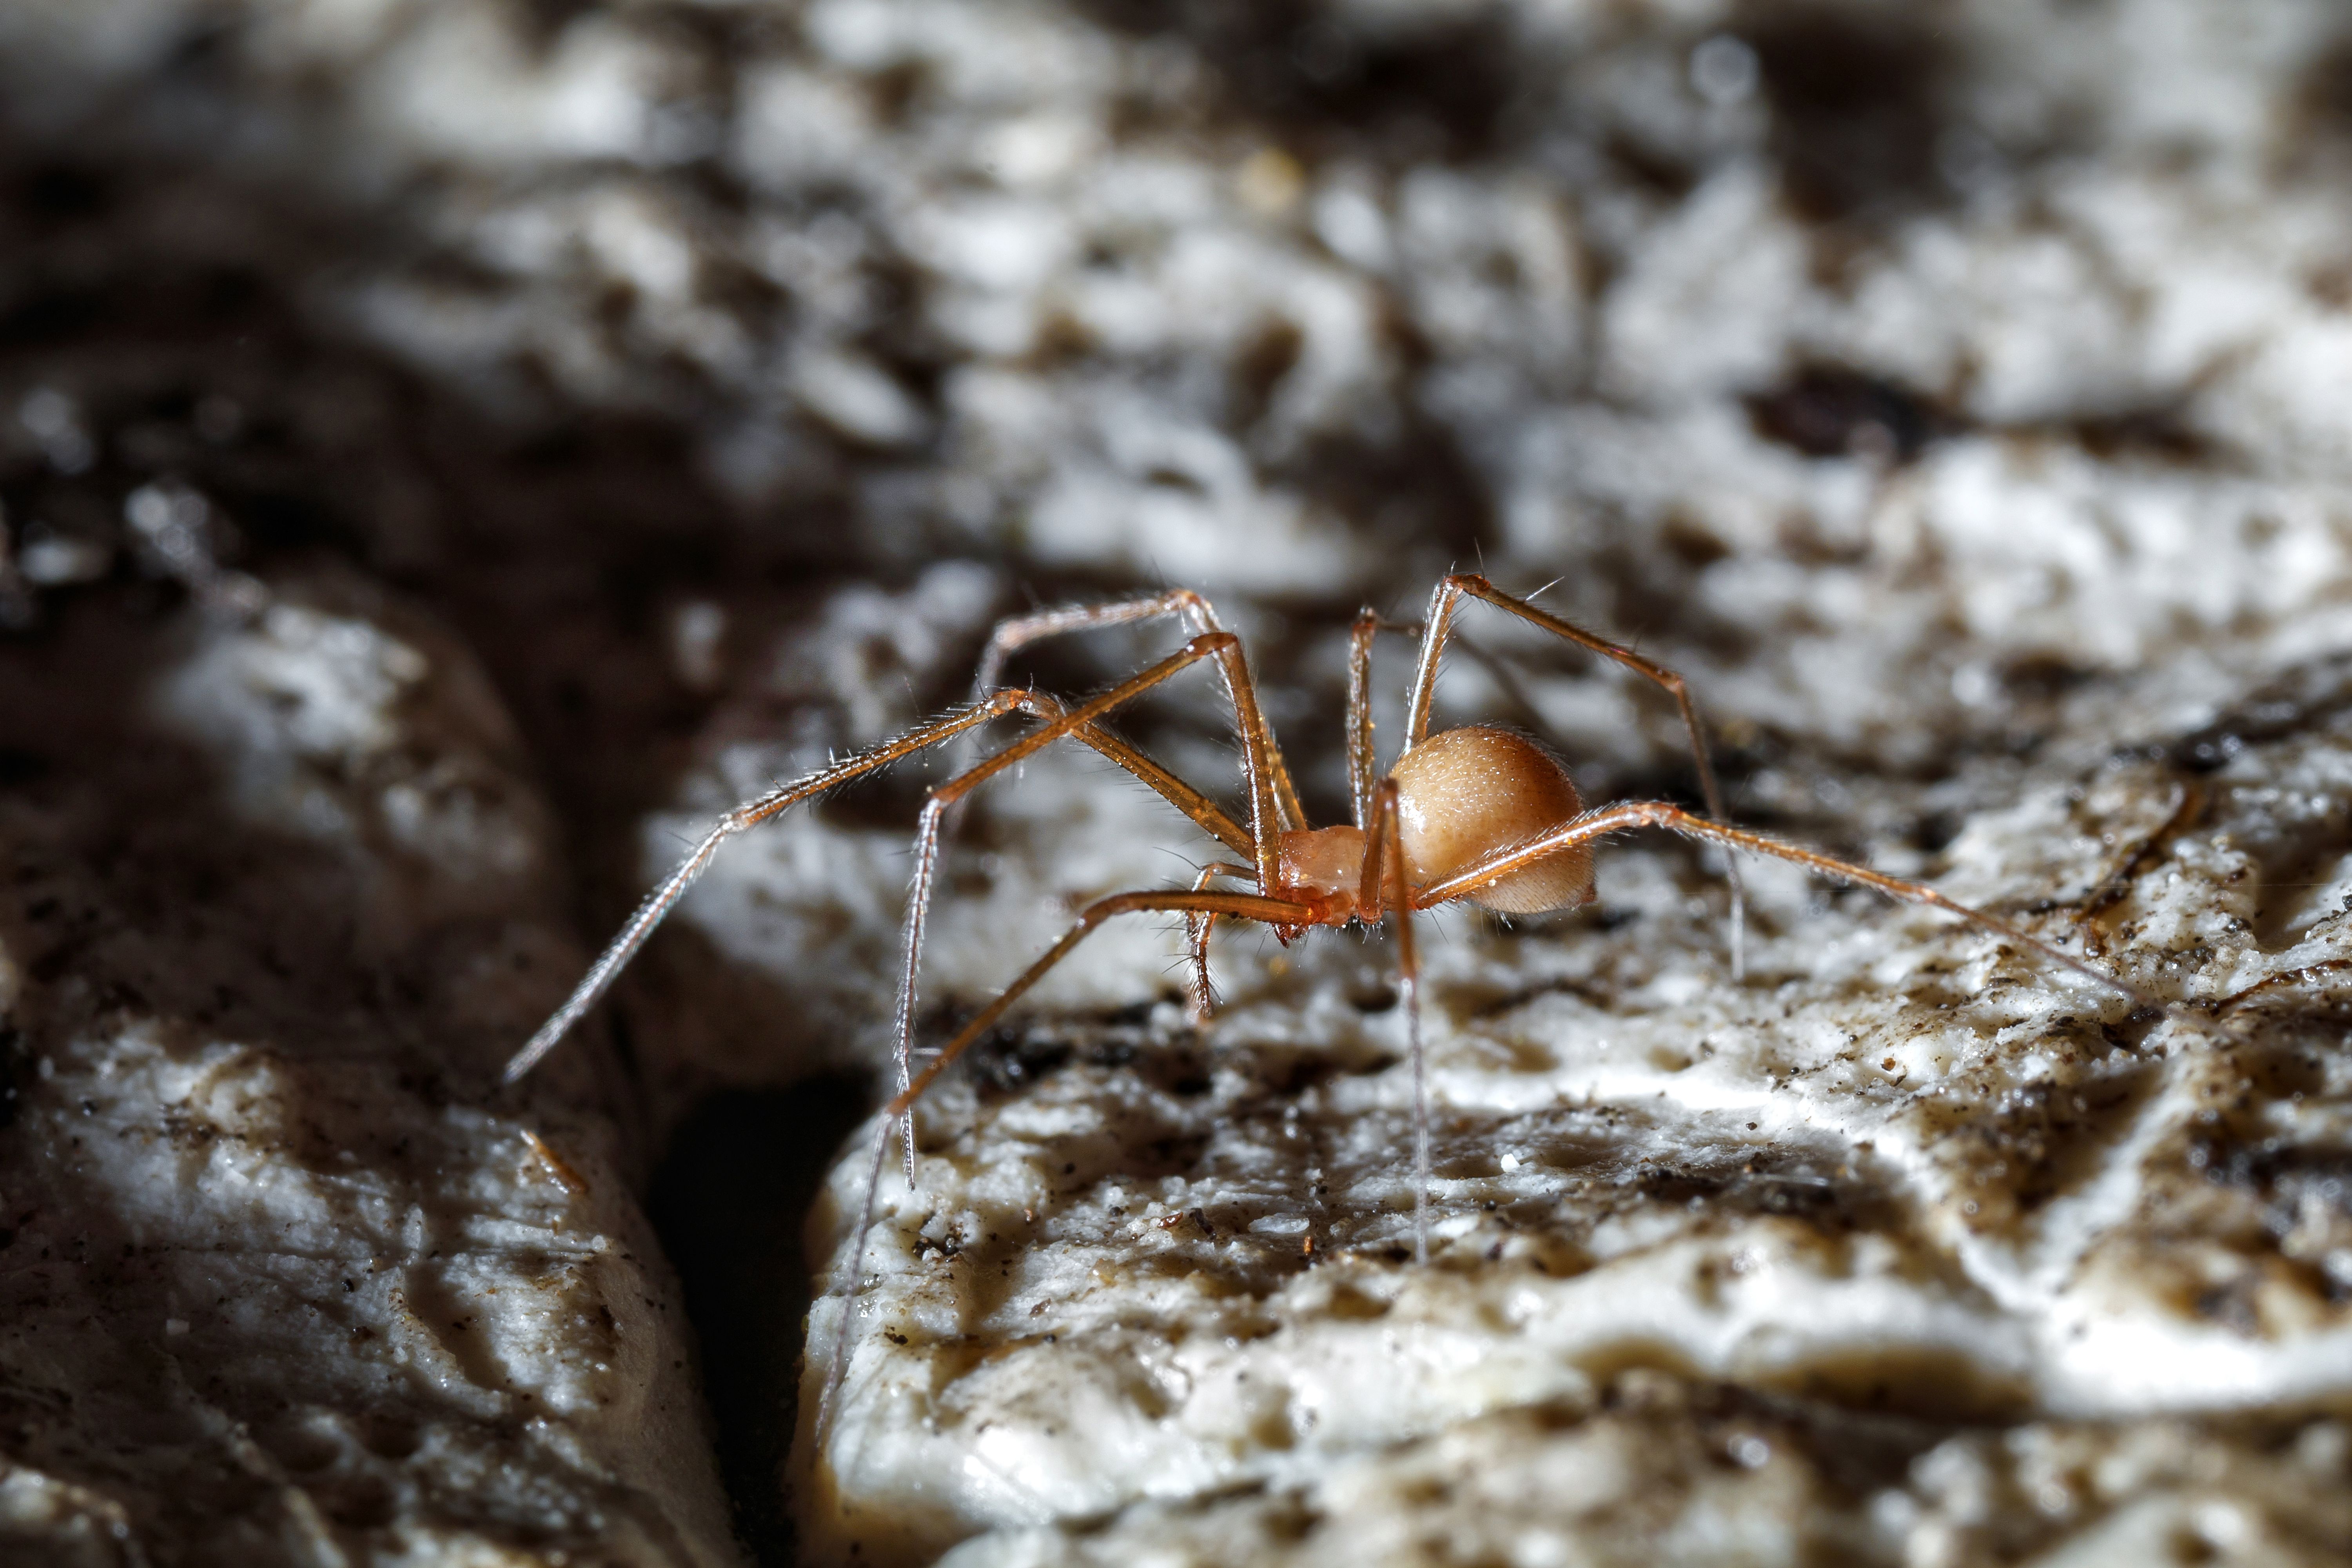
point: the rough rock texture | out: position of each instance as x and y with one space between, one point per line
282 1281
1956 394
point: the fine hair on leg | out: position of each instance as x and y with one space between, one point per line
664 897
1618 818
1016 632
1441 602
1362 760
749 815
1239 906
1222 647
1197 927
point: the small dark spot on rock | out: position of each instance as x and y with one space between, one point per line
2160 433
1831 411
1855 119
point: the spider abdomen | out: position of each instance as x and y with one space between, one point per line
1461 795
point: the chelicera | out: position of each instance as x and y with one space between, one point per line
1476 814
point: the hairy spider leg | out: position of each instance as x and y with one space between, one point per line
1016 632
1264 844
1675 819
1362 759
1362 768
1192 802
1385 892
1197 928
1240 906
1441 602
752 813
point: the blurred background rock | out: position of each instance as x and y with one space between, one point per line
1955 392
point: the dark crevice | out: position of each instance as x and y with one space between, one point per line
729 1204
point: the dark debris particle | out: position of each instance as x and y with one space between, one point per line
2324 101
1833 411
2302 698
64 191
2160 433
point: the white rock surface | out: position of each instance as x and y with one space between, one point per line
1895 1171
280 1281
1957 400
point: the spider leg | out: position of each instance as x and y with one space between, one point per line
1197 928
1175 791
752 813
1019 631
1361 757
1362 767
1262 841
1240 906
1384 890
749 815
1442 604
1016 632
1675 819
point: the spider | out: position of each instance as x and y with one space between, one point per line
1476 813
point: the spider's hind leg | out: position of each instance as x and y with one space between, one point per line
1595 825
1442 603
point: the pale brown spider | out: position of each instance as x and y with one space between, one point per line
1475 813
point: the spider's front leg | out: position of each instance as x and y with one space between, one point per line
1259 841
749 815
1385 892
899 1112
1017 632
1197 927
1058 721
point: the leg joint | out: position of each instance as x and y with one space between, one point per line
1043 705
